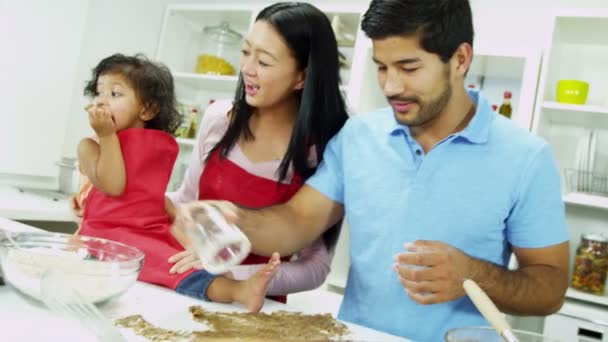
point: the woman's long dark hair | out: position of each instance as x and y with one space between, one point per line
321 112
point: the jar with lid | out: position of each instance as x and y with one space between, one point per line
218 50
591 264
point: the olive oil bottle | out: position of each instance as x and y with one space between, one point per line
505 108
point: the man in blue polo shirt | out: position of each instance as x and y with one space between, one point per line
437 188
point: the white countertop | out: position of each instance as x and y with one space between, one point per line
21 320
18 205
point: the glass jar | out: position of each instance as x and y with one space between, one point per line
218 51
591 264
218 243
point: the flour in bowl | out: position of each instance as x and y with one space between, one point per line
96 281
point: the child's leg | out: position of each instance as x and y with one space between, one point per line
249 293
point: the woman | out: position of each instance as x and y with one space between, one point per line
258 149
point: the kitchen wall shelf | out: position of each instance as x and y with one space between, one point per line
515 70
587 297
217 82
589 116
575 49
186 141
575 108
592 201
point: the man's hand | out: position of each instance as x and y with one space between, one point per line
432 272
183 218
188 259
101 120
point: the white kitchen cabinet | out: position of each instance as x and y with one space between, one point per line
178 48
577 48
578 322
499 69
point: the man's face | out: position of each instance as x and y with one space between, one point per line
417 84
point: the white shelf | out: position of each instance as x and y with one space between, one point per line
210 82
554 113
186 141
577 198
587 297
575 108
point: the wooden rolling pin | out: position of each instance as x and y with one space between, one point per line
489 310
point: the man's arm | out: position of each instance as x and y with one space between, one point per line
289 227
536 288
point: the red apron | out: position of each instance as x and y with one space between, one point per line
137 217
224 180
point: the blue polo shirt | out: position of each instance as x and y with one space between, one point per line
481 190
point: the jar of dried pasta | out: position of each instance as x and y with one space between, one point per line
219 50
591 264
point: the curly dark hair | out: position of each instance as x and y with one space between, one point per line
152 82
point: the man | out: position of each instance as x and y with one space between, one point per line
437 188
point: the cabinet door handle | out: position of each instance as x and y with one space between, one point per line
589 335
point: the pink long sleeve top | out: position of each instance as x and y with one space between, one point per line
310 266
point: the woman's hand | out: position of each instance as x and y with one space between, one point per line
184 261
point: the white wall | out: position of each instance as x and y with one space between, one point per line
52 45
516 23
125 26
40 43
134 26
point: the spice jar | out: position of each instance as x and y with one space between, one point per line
219 50
591 264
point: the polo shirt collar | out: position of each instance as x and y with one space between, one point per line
476 132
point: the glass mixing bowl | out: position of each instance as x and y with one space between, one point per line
487 334
98 269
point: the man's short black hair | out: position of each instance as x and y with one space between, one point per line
441 25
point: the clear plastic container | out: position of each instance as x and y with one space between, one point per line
219 244
218 51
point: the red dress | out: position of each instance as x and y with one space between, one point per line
222 179
137 217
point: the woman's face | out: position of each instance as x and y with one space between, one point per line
269 69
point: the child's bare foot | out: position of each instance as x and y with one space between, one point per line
253 290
